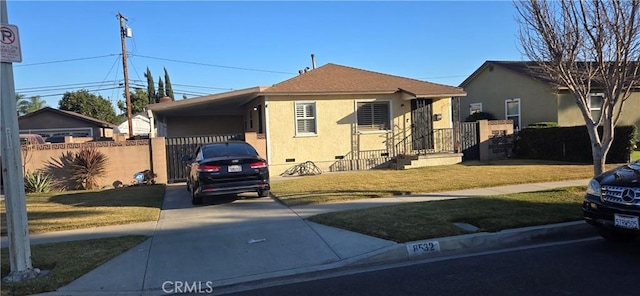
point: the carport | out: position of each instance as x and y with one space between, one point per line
187 123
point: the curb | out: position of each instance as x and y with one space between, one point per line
433 247
414 251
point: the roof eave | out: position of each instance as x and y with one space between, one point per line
166 106
327 93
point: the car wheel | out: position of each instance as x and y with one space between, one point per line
616 236
263 193
195 200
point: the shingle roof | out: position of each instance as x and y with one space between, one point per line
92 120
335 79
528 68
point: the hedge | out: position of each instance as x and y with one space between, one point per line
572 144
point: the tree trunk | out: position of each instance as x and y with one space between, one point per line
599 149
598 162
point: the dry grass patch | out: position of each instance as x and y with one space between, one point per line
424 220
66 262
380 183
83 209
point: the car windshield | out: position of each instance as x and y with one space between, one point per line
227 149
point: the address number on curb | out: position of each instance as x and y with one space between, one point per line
422 248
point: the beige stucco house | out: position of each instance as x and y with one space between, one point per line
514 90
339 117
49 122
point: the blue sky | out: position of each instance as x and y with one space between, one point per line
211 46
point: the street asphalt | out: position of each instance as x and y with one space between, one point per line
237 244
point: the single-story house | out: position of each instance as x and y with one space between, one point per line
49 122
334 116
514 90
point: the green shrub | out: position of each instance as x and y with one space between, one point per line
543 124
571 144
37 182
480 116
87 167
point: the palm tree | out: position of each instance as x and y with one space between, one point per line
25 106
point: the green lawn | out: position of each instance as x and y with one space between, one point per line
333 187
635 155
83 209
424 220
66 262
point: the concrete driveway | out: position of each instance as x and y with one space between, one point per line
225 241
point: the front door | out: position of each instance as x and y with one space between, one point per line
422 124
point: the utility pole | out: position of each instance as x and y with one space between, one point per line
123 35
12 175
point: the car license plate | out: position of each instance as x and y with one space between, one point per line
625 221
235 168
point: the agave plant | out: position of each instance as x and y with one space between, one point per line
36 182
88 166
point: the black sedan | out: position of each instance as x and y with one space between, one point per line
612 203
226 168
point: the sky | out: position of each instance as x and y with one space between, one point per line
213 46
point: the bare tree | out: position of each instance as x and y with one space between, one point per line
587 47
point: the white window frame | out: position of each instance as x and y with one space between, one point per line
599 108
506 111
365 131
314 118
477 105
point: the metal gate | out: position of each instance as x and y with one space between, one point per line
469 141
180 146
422 124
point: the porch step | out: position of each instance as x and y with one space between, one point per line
401 161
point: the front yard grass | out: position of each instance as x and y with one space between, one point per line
67 210
66 262
335 187
635 155
424 220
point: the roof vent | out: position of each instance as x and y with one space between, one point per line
165 99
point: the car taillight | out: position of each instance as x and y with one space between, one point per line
258 165
208 168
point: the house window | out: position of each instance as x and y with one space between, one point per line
374 116
595 106
475 108
306 118
512 111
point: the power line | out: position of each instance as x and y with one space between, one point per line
89 90
59 85
211 65
67 60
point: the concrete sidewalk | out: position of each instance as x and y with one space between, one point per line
239 243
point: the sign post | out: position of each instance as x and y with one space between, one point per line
17 227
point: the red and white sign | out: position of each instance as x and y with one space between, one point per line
10 44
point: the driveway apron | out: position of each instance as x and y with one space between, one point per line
226 241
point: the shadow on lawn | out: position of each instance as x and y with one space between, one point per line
433 219
321 196
39 217
521 162
132 196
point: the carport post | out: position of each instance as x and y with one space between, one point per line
17 227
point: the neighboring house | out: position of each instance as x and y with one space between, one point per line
49 122
515 90
333 115
140 123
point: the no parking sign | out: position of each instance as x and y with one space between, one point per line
10 44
